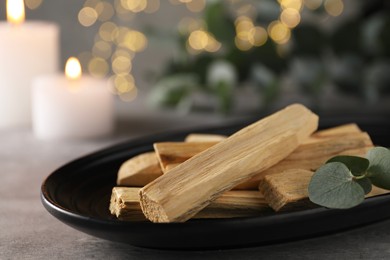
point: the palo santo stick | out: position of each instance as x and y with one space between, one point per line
204 138
171 166
338 130
188 188
125 205
287 190
330 146
144 168
139 170
178 152
236 204
315 152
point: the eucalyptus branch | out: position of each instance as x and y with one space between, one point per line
344 180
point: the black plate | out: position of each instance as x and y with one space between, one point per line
78 195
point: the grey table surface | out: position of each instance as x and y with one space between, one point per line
28 231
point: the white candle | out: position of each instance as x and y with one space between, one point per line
26 50
71 106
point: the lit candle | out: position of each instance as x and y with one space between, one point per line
27 49
71 105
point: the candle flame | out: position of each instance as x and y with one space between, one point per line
15 11
73 68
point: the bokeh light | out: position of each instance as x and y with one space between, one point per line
152 6
122 83
334 7
245 33
91 3
98 67
196 6
200 40
243 45
243 25
105 11
290 17
257 36
121 65
122 52
134 6
107 30
294 4
33 4
313 4
279 32
102 49
135 41
87 16
129 96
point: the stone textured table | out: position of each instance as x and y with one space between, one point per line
28 231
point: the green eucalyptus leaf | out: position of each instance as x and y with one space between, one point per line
379 169
333 186
366 184
357 165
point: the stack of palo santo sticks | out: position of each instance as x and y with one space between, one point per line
262 169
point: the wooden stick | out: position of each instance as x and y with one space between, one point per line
125 205
139 170
338 130
188 188
191 138
315 152
144 168
287 190
171 166
169 153
236 204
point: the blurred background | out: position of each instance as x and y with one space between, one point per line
233 57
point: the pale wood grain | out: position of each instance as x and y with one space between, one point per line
314 152
125 205
188 188
204 138
169 153
322 145
288 190
139 170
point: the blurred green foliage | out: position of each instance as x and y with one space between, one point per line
353 55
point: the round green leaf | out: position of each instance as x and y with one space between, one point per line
357 165
366 184
333 186
379 169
